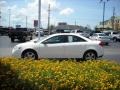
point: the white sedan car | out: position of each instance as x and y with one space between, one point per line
62 45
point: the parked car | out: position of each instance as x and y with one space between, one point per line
62 45
22 34
62 31
101 37
4 31
115 35
41 33
81 33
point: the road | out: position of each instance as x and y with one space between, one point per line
111 52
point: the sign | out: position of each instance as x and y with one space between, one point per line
35 23
18 26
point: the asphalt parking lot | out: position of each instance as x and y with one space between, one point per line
111 52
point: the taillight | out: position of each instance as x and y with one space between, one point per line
101 44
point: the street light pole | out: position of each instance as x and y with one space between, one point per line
39 17
9 17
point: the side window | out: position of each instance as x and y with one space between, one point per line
76 39
73 31
94 34
56 39
107 33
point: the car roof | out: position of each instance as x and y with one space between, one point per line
76 34
110 31
99 33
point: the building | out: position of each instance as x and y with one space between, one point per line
64 27
113 23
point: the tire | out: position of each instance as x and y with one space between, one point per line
31 38
22 39
115 39
90 55
12 39
30 54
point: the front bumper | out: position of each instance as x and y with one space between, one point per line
16 53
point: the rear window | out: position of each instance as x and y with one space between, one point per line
102 35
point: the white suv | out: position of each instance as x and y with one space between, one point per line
115 35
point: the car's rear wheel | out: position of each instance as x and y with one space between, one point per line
114 39
107 43
29 54
90 55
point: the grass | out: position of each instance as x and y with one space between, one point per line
19 74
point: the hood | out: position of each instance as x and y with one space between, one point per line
26 44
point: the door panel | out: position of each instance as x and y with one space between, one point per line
51 51
74 50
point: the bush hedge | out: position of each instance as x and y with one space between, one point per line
19 74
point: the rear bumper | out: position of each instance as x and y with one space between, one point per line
100 56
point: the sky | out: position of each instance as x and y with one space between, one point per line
79 12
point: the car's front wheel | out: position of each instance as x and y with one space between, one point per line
90 55
29 54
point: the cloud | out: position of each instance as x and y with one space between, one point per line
2 3
66 11
18 14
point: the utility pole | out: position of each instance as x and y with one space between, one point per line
9 17
104 5
26 21
103 13
49 19
113 19
0 17
75 23
39 17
